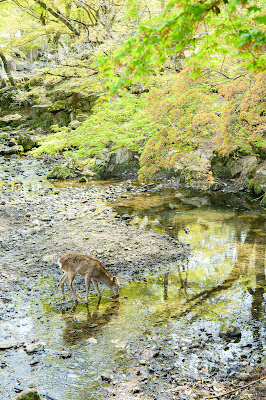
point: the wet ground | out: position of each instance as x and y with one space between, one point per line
190 320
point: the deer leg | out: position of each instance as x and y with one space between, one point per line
71 277
97 287
62 282
87 283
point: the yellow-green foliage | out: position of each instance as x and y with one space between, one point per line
179 115
192 115
243 118
121 123
186 112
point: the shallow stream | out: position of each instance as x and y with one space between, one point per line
207 315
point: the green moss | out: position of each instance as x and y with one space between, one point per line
57 106
59 172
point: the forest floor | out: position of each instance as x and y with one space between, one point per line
36 228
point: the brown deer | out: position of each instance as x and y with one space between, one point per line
91 269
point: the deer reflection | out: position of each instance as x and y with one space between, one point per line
183 276
77 329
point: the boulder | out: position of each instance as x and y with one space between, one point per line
234 167
230 332
11 119
8 343
34 348
249 165
258 182
64 171
74 124
28 394
26 141
17 149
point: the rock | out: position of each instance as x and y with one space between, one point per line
49 258
125 217
26 141
3 364
243 376
74 124
249 165
230 332
57 106
64 171
35 222
63 354
12 142
34 348
234 167
258 182
10 119
8 344
92 340
83 179
28 394
59 172
107 378
17 149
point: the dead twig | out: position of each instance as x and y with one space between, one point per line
235 390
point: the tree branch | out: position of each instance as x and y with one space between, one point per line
57 13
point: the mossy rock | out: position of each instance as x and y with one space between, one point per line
64 171
28 394
59 172
219 167
234 167
258 183
58 105
89 168
26 142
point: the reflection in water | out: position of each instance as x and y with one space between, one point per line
77 329
227 234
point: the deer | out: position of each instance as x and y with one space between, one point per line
76 263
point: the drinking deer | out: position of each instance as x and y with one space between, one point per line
91 269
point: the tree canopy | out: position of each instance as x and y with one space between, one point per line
206 30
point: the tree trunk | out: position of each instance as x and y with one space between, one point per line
7 69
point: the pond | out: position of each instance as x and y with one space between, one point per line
207 314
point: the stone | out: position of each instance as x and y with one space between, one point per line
74 124
17 149
49 258
125 217
230 332
26 141
92 340
8 344
34 348
59 172
249 166
63 354
234 167
11 118
28 394
259 179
